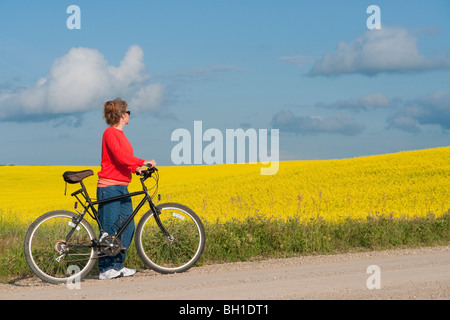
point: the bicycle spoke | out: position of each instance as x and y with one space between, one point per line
177 252
49 255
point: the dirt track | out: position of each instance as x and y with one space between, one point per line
422 273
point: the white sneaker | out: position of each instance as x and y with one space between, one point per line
110 274
126 272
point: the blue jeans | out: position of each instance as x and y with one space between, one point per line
112 215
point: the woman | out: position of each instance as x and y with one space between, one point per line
118 163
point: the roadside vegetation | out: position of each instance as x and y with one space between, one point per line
262 238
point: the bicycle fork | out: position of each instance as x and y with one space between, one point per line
156 214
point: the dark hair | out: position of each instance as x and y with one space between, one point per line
113 110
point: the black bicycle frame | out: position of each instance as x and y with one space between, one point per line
95 216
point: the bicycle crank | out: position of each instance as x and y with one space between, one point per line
111 245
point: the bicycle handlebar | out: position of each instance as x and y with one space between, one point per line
148 172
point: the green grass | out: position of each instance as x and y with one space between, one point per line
12 257
257 237
260 237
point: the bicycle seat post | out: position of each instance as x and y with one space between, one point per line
85 193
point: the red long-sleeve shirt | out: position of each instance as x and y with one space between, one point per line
118 161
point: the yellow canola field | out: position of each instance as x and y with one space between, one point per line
410 184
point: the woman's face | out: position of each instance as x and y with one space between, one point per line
126 117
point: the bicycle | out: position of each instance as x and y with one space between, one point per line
62 246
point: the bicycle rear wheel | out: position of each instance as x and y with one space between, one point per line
178 252
53 258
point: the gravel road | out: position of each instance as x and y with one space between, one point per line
422 273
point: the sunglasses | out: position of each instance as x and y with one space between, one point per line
129 112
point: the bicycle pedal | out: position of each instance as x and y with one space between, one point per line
123 250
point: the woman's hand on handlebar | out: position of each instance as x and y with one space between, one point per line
150 163
140 171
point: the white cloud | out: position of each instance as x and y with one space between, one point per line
385 50
148 98
81 81
341 123
370 101
432 109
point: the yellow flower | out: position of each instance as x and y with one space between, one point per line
409 184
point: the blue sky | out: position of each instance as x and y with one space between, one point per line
311 69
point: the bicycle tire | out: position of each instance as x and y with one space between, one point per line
45 237
157 251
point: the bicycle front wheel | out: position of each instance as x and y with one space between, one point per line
176 252
51 256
